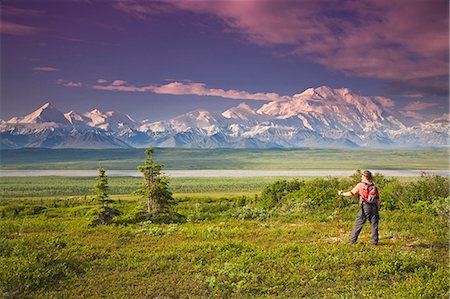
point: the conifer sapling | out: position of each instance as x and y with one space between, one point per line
155 187
101 187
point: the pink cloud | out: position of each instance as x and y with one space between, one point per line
120 88
16 29
192 88
69 83
385 102
20 12
119 82
72 84
45 69
101 81
381 39
419 105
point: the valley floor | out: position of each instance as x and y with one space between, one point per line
305 159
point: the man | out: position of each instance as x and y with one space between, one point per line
370 204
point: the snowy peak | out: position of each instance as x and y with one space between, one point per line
320 92
444 119
327 108
96 117
109 120
242 111
201 119
76 119
45 114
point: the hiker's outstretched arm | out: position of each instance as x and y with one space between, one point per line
350 193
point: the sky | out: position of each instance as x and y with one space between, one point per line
158 59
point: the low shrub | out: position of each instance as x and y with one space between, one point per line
159 218
427 188
273 194
246 213
102 215
319 192
34 266
20 210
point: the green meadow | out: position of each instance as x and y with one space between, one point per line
231 244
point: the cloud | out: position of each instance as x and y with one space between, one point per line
433 86
69 83
376 39
119 82
10 11
72 84
381 39
16 29
45 69
385 102
419 105
102 81
191 88
142 9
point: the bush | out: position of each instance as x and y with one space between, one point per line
159 218
247 213
427 188
319 192
441 208
393 195
102 216
29 267
20 210
273 194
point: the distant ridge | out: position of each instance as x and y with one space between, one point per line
320 117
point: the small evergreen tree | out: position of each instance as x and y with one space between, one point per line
105 214
155 187
101 187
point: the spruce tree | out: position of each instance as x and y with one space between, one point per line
105 214
155 187
101 187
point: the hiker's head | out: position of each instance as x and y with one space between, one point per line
367 174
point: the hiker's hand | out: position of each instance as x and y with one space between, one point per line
340 192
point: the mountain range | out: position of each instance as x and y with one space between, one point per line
317 117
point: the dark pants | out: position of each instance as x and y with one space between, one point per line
367 211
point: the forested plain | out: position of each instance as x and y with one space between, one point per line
253 159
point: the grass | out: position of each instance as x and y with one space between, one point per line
224 250
52 253
266 159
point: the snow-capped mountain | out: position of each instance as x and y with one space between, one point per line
46 114
244 114
49 127
109 121
325 108
316 117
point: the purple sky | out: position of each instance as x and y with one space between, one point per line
158 59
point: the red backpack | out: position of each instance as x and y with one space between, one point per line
370 193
